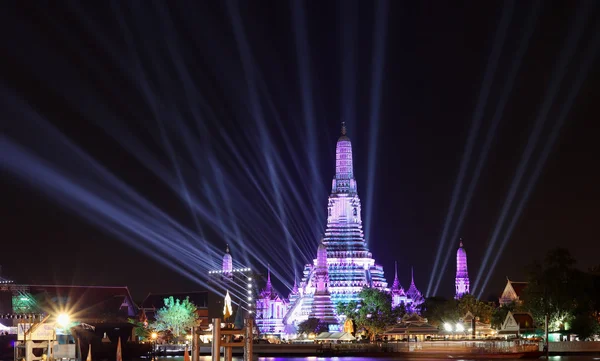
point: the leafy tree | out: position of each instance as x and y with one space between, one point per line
140 329
570 297
373 313
483 310
553 289
585 325
500 314
176 316
312 325
439 310
400 310
347 309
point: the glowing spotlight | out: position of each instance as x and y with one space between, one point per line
63 320
154 335
448 327
249 285
249 298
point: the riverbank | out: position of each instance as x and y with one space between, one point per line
405 350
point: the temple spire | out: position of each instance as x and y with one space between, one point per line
344 181
412 275
396 284
227 265
269 286
295 280
461 282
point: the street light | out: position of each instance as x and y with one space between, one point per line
154 336
63 320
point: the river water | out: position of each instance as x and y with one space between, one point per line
350 358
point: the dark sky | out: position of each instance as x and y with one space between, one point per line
233 109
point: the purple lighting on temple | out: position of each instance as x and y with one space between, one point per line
462 273
322 307
343 266
227 262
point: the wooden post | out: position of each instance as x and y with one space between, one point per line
228 350
195 344
28 350
216 340
248 339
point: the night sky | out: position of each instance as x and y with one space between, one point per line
223 116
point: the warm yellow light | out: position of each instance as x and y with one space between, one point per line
154 335
189 337
63 320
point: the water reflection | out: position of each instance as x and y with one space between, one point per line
593 357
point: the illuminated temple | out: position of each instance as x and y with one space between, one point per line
462 273
344 265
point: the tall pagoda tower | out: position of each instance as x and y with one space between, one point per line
322 307
227 264
351 265
462 273
343 251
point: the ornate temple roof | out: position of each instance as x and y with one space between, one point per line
518 287
268 292
396 287
413 318
412 291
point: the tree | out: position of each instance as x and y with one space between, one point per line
483 310
439 310
176 316
500 314
347 309
585 325
553 289
570 297
140 329
373 313
312 325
